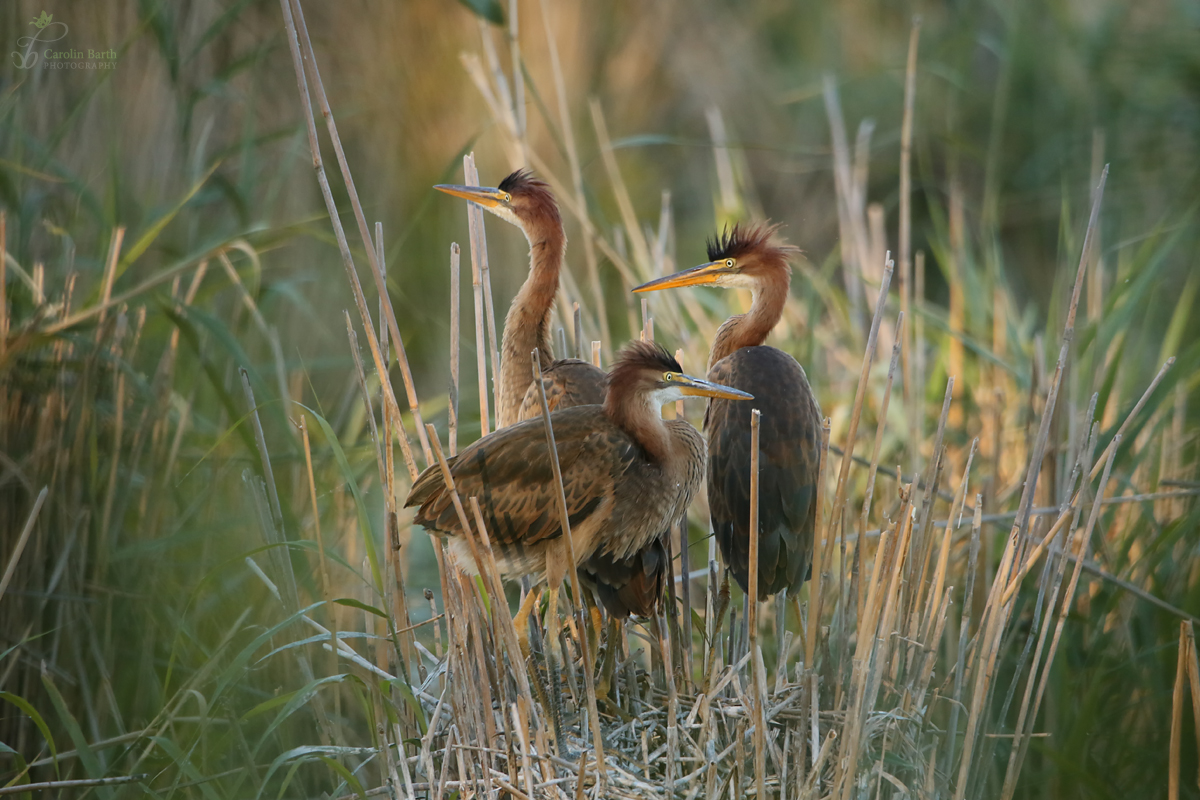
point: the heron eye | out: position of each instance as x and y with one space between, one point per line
668 377
729 263
507 197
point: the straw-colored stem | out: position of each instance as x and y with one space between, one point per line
905 226
479 250
294 21
859 395
455 347
577 601
360 301
15 557
481 360
1177 717
814 590
760 765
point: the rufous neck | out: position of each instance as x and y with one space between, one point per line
527 325
636 414
752 328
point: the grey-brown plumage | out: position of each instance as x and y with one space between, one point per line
528 203
789 463
789 444
568 382
623 586
627 474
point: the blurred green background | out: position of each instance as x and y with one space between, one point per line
194 141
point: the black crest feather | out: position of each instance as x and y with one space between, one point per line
742 239
637 356
518 180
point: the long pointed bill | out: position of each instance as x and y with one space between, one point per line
698 387
696 276
485 196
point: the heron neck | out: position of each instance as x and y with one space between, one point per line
528 324
636 414
752 328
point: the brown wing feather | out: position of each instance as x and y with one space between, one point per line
624 586
568 382
788 470
510 472
631 585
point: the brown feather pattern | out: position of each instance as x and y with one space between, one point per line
620 496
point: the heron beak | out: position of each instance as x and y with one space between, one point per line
696 276
484 196
698 387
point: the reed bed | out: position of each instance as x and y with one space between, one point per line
1008 489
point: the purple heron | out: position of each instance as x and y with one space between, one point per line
624 585
789 450
627 476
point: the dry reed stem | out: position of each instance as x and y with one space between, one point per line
905 226
814 591
479 250
576 588
1177 716
106 282
860 394
568 136
4 285
964 627
11 568
1065 514
1067 600
455 348
760 767
1022 732
641 251
361 374
480 333
507 628
298 29
339 232
312 493
849 208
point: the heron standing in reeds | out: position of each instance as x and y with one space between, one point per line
789 450
627 476
631 584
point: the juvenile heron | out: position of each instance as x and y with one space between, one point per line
789 444
627 476
627 585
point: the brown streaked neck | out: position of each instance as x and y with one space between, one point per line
528 323
752 328
633 411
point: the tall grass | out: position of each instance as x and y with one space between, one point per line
209 588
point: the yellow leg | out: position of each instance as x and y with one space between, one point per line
554 661
521 621
611 645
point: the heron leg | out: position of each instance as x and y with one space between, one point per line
780 614
521 621
554 661
611 643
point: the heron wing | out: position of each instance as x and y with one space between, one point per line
789 464
568 382
511 473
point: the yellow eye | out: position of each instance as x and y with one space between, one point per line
668 376
729 263
507 197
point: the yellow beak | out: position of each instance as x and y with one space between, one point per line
698 387
696 276
483 195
